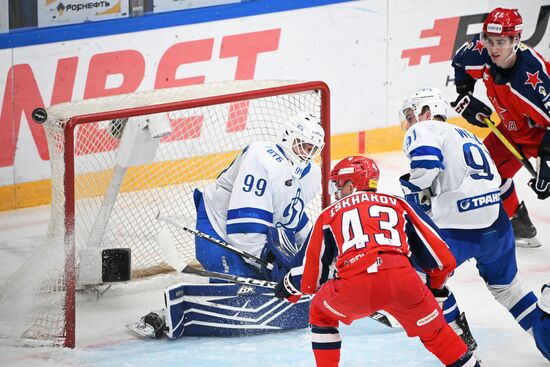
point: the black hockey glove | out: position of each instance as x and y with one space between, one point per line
440 294
472 109
286 290
541 184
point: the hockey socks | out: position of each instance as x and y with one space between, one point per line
446 346
326 344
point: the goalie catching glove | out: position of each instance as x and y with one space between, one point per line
472 109
541 184
286 290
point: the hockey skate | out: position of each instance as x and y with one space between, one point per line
524 230
151 325
462 329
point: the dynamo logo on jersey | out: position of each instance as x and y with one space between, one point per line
292 213
479 201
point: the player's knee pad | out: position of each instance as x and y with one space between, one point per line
229 310
517 299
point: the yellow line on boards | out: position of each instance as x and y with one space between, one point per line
386 139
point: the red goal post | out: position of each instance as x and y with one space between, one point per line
109 178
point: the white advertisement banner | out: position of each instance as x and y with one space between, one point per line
270 46
160 6
370 65
58 12
4 16
425 38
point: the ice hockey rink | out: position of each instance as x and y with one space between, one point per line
102 339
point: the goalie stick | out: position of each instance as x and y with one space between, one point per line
216 241
171 256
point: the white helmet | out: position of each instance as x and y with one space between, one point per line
302 139
430 97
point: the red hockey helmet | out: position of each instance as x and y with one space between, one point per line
362 171
503 22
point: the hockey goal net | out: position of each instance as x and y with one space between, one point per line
117 161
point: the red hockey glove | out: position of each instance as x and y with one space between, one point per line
472 109
286 290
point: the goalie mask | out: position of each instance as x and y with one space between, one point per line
362 172
302 139
415 106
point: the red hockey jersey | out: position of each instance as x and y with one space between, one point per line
355 229
516 94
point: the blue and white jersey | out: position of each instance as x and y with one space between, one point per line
459 172
258 191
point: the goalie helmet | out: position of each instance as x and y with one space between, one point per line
361 171
430 97
302 139
503 22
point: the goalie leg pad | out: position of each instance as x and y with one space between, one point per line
229 310
541 323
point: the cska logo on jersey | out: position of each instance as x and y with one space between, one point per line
479 47
533 79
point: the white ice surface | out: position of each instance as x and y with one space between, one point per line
102 339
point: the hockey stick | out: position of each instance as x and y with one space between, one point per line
243 254
511 147
172 258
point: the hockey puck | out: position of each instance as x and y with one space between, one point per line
39 115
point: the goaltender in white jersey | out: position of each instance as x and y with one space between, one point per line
267 194
259 197
269 184
464 193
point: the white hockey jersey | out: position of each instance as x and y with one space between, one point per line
258 191
459 172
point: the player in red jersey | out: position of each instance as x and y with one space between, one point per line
371 236
518 86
